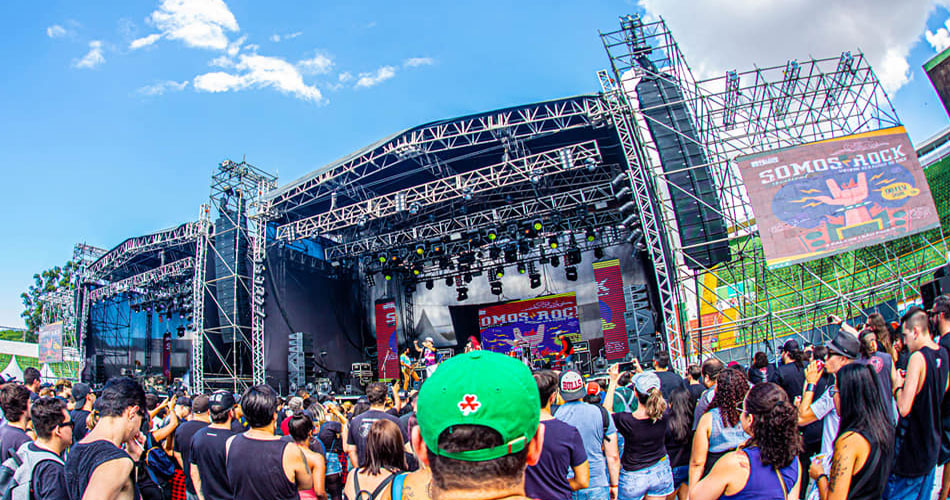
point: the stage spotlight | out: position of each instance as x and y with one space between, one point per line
552 242
467 277
467 193
589 235
495 287
444 263
388 276
429 284
181 331
628 207
620 180
491 234
631 220
462 294
591 164
521 268
362 221
416 269
420 249
511 254
535 280
436 248
573 257
570 273
382 257
414 208
599 253
535 176
623 193
449 281
524 247
555 261
499 272
537 225
494 253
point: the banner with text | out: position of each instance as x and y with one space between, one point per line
50 340
386 349
838 195
612 307
534 322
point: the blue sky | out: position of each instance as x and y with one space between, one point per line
113 114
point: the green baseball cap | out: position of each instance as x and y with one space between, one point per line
480 388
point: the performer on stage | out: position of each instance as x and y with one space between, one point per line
408 369
473 344
566 354
428 355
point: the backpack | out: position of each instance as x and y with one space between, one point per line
158 464
16 472
605 417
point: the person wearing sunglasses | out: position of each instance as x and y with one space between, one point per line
54 433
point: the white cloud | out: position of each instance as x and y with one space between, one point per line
252 47
197 23
162 87
371 79
56 31
414 62
289 36
317 65
222 62
92 58
235 46
721 35
258 72
345 76
145 41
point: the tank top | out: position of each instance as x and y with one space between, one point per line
722 438
256 469
868 483
919 442
763 481
83 460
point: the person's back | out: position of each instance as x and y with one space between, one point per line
385 458
361 424
589 422
917 454
763 482
14 401
563 450
791 378
722 436
208 453
84 459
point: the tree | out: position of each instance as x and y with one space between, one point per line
44 284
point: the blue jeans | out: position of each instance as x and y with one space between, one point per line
655 480
680 475
910 488
594 493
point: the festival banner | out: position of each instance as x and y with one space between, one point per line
612 307
534 322
838 195
386 349
167 357
51 343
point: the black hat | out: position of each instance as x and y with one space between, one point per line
791 346
220 401
845 344
80 391
183 401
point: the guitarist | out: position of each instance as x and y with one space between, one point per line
408 369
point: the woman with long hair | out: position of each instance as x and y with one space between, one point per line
882 333
761 370
864 447
766 467
719 430
679 439
301 427
645 467
385 457
331 435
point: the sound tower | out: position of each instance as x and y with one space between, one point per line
692 188
930 290
231 268
641 331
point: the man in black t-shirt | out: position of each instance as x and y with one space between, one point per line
183 434
15 403
669 380
84 398
54 433
31 379
209 471
790 376
695 381
360 425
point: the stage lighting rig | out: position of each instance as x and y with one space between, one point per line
462 294
444 263
570 273
382 257
467 277
449 281
496 288
414 208
599 253
181 331
555 261
491 234
589 234
521 268
573 257
494 253
388 275
499 272
534 277
511 254
591 164
429 285
416 269
420 249
552 242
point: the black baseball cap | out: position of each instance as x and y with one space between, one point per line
220 401
791 345
80 391
845 344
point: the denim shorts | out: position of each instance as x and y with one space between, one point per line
680 476
595 493
655 480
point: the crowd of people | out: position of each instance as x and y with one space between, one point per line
865 416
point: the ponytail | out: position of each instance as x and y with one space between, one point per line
653 404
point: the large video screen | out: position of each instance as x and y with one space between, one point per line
834 196
535 322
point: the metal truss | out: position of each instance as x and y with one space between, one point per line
517 171
119 256
513 124
742 302
60 305
655 236
258 220
561 202
178 268
198 303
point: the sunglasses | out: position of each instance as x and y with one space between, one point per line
70 424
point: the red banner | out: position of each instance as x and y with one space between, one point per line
386 340
612 307
167 357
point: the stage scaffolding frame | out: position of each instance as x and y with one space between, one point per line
741 113
237 194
